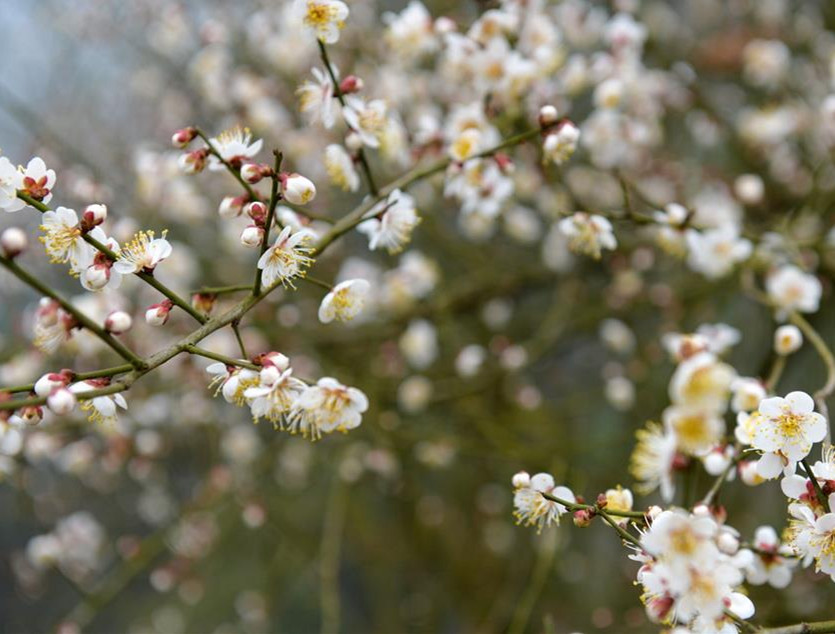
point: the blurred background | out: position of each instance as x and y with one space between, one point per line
187 517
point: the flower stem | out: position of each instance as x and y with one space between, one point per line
216 356
828 360
824 502
76 376
275 196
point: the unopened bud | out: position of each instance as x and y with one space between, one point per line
521 479
93 216
231 206
182 138
252 236
350 84
787 339
274 359
61 401
157 314
13 242
204 302
193 162
254 172
353 141
257 211
582 518
50 382
728 543
505 163
445 25
118 322
96 276
297 189
547 116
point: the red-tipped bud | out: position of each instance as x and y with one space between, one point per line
582 518
193 162
232 206
61 401
504 162
93 216
350 84
204 302
157 314
254 172
257 211
182 138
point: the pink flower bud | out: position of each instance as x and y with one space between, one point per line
50 382
93 216
182 138
350 84
257 211
297 189
521 479
193 162
157 314
547 116
13 242
582 518
231 206
504 162
204 302
118 322
61 401
252 236
96 276
254 172
274 359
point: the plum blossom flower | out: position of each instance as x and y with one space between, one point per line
588 234
143 253
316 99
561 144
232 381
10 182
366 118
772 562
714 252
792 289
276 393
235 146
391 222
531 508
100 409
53 326
654 460
37 181
786 428
63 238
324 17
340 167
702 381
814 537
345 301
326 407
287 258
696 430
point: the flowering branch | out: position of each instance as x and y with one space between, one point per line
337 91
357 215
76 376
148 278
80 318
